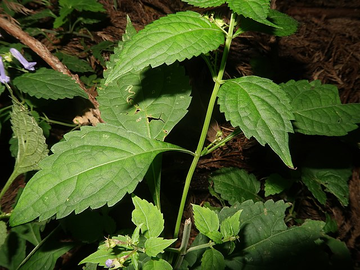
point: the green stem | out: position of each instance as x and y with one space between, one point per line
222 142
206 124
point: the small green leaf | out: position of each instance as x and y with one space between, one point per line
31 145
205 3
80 5
212 259
149 215
150 102
235 185
156 245
91 168
207 222
174 37
74 63
261 109
100 256
275 184
156 265
230 227
13 251
257 10
318 110
49 84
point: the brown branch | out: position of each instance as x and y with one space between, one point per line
41 50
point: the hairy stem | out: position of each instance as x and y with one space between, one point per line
206 124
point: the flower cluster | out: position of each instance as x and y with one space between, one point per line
26 64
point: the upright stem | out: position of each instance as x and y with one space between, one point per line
206 124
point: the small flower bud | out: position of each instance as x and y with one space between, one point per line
27 65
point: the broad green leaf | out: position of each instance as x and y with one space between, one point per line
3 232
100 256
31 145
47 255
156 245
318 110
286 24
230 227
156 265
207 222
261 109
175 37
150 102
235 185
257 10
212 259
49 84
149 215
91 168
205 3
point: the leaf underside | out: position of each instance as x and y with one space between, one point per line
175 37
261 109
205 3
49 84
91 168
32 147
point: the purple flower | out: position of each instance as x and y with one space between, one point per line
109 263
27 65
3 77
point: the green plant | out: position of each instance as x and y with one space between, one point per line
100 165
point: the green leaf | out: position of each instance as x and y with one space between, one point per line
100 256
212 259
205 3
3 232
156 245
207 222
286 24
149 215
174 37
91 168
49 84
230 227
235 185
47 255
150 103
13 251
30 232
257 10
74 63
261 109
80 5
318 110
276 184
31 145
157 264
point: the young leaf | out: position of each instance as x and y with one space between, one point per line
212 259
261 109
32 147
157 264
275 184
207 222
149 102
230 227
205 3
91 168
318 110
149 215
257 10
174 37
49 84
156 245
235 185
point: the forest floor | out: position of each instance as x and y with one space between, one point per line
326 47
